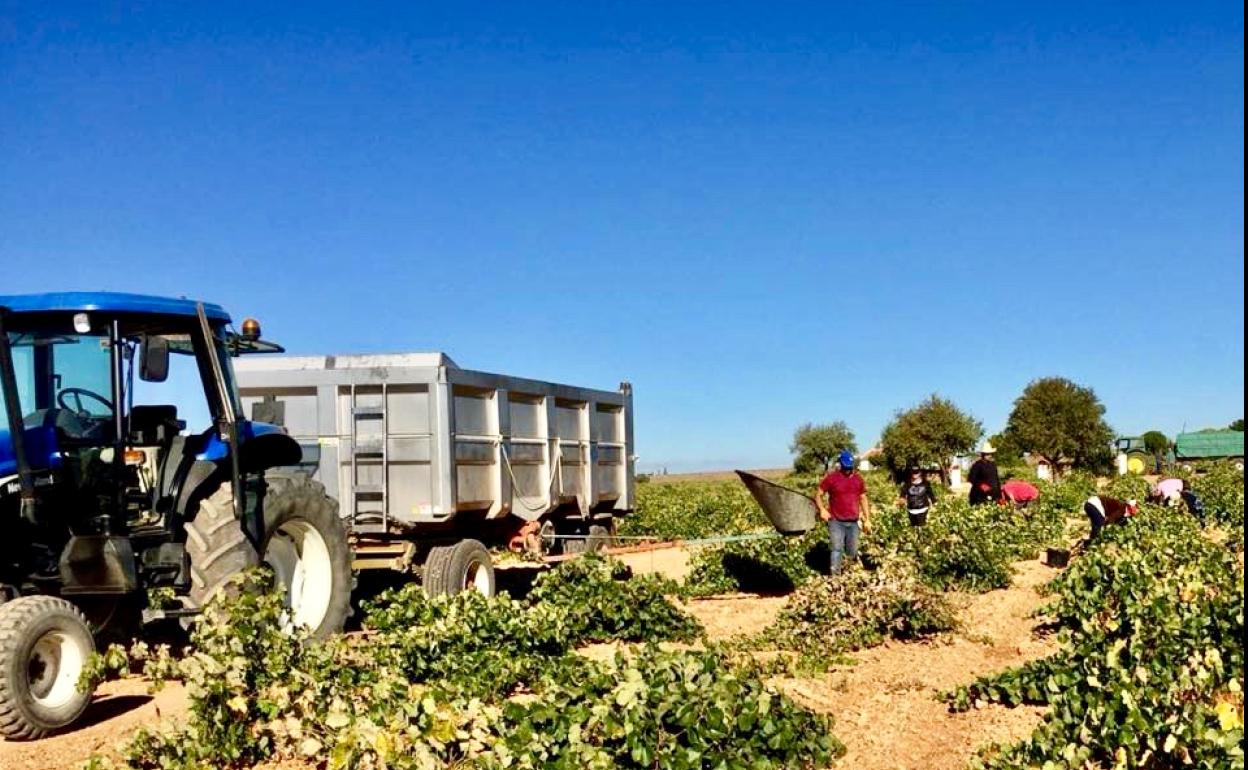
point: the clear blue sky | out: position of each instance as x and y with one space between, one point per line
759 213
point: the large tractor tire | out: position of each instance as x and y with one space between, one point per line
462 566
44 646
1139 463
305 543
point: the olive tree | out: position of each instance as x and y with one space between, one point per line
929 434
1060 420
816 446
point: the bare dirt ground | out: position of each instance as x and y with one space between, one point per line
118 709
884 704
672 562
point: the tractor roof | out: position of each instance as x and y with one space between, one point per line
107 302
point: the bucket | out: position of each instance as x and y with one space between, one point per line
1057 557
790 512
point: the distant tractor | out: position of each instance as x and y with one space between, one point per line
103 496
1134 457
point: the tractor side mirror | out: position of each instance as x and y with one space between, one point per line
154 359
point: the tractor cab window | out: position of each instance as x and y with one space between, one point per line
182 389
190 386
82 376
24 371
64 381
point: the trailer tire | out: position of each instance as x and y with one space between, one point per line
432 576
305 544
44 647
465 565
599 538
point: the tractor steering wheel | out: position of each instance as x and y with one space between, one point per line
77 394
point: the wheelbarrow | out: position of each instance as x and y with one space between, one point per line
790 512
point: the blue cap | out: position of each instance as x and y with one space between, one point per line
846 459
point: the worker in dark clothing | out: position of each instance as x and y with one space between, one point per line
1102 510
985 481
918 497
1194 505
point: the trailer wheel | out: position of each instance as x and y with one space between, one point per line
44 647
305 544
464 566
596 538
599 538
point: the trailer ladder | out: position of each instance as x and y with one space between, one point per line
367 521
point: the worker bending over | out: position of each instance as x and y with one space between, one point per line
1102 510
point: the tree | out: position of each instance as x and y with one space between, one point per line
1237 425
816 446
1156 443
1061 421
929 434
1009 453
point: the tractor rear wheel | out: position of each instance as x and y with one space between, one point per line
305 543
44 647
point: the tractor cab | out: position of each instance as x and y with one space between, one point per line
105 495
96 422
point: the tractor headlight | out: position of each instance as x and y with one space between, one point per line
82 323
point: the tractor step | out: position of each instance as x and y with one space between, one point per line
152 615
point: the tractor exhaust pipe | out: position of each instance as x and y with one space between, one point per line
252 526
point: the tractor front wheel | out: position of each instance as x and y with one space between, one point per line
44 647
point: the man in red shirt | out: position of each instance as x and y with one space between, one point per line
847 505
1019 492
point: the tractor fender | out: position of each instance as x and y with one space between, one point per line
268 450
258 454
200 479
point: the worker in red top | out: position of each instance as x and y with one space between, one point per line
846 510
1102 510
1018 492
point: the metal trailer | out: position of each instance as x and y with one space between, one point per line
424 456
1193 450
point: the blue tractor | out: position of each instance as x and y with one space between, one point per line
104 496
